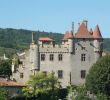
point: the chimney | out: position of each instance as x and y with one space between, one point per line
32 37
78 24
72 27
85 22
91 32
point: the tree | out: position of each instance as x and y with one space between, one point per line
98 79
5 68
3 94
42 86
81 93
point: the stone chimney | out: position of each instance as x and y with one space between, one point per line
78 24
32 37
72 27
85 22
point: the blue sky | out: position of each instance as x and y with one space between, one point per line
55 15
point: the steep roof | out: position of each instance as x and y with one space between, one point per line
83 32
68 35
45 39
97 33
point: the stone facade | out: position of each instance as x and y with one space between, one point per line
70 61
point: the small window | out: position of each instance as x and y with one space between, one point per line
83 57
83 74
44 72
21 75
60 74
60 57
83 48
51 57
42 57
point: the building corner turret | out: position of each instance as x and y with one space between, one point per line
34 55
98 43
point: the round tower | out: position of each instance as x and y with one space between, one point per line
34 55
97 43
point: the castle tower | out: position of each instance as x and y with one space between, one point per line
97 43
34 55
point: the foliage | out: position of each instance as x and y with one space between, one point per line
3 94
81 93
14 40
5 68
42 86
78 93
98 79
106 45
19 98
101 96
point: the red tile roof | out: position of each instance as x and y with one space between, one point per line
68 35
9 83
83 32
45 39
97 33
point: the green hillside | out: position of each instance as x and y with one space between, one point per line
14 40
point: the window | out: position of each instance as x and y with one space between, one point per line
83 74
45 73
21 75
42 57
60 74
83 57
60 57
83 48
51 57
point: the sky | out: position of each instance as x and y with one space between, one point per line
55 15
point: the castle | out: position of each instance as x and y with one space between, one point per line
70 61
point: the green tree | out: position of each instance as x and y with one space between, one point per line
42 86
101 96
81 93
5 68
98 79
3 94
